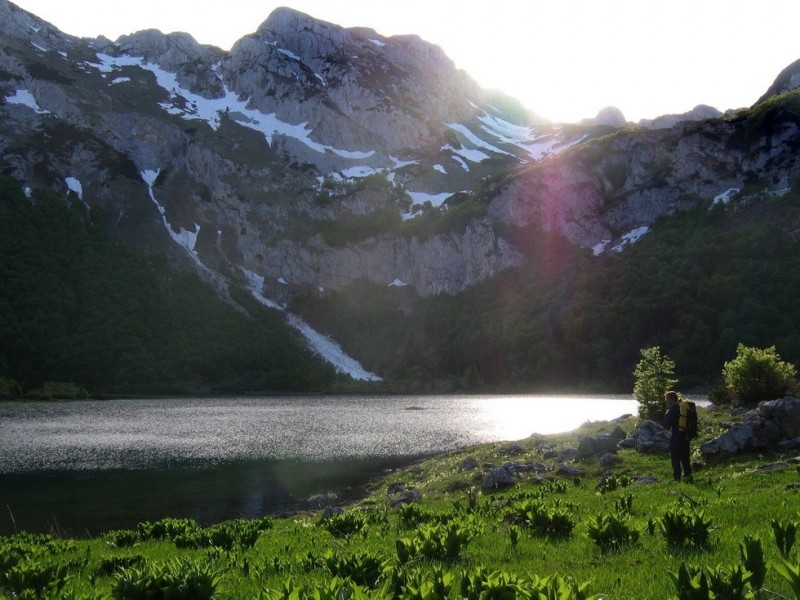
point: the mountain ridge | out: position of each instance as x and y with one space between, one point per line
310 157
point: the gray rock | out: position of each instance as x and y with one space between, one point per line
513 450
406 497
569 470
776 466
651 438
396 488
793 444
601 444
567 454
330 511
497 478
773 422
647 479
538 467
609 460
468 464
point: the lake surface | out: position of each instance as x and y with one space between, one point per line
81 468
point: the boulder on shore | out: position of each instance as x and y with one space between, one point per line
773 423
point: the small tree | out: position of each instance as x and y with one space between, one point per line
757 374
655 375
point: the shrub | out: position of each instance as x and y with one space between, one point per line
547 521
344 524
757 374
431 542
122 538
9 389
178 580
785 533
791 573
753 560
36 578
361 568
612 532
654 377
686 527
718 582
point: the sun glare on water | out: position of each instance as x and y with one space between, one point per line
517 417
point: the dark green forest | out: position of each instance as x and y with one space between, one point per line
696 285
77 306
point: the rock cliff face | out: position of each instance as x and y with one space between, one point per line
311 155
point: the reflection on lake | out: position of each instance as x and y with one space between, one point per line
91 466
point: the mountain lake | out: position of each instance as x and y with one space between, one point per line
82 468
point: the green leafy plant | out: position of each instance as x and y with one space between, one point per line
33 575
122 538
542 519
513 535
791 573
758 374
718 583
624 504
785 533
362 568
686 527
612 532
481 583
345 524
753 560
177 580
613 482
442 541
654 376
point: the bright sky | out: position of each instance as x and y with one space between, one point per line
564 59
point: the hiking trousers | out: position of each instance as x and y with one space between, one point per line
679 455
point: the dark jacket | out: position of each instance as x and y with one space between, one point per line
672 418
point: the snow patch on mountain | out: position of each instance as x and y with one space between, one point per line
474 139
435 199
25 98
190 106
319 343
725 196
74 185
631 237
187 239
475 156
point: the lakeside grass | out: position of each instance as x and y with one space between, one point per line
300 555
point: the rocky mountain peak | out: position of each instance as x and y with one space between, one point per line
787 80
610 116
701 112
18 23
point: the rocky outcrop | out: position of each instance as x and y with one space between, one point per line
610 116
701 112
600 444
787 81
648 437
498 478
774 422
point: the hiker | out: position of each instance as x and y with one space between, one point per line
679 442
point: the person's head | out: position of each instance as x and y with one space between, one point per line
671 397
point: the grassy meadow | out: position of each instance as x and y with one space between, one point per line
727 534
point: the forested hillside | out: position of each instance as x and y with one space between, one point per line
77 306
697 284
